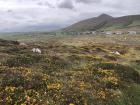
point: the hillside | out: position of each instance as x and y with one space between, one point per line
106 22
123 22
71 71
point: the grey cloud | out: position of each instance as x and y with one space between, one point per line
9 11
45 4
88 1
67 4
16 13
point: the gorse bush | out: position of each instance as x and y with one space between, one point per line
24 60
67 75
24 86
125 72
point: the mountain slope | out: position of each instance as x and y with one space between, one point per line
123 22
106 22
90 24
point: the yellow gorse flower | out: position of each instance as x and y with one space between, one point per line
10 89
71 104
54 86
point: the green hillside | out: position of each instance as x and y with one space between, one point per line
106 22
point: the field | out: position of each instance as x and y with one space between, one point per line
71 70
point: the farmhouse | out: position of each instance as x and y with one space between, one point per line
132 32
118 33
109 33
93 32
87 32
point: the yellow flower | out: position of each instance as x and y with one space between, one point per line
113 80
10 89
27 98
8 99
71 104
23 104
82 86
54 86
102 94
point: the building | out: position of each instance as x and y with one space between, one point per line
109 33
132 32
87 32
93 32
118 33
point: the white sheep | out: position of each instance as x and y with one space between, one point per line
36 50
115 52
22 44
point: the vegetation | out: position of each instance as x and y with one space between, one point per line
106 22
70 74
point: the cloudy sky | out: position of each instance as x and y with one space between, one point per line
51 14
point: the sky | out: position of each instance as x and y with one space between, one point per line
53 14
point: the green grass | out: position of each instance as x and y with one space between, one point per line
113 27
135 23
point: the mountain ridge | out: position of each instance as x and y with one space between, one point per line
105 22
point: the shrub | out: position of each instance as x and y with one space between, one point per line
125 72
23 60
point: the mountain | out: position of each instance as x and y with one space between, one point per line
90 24
106 22
34 28
125 22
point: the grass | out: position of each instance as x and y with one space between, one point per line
113 27
135 23
71 72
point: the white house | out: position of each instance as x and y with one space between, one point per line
108 33
118 33
132 32
93 32
87 32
